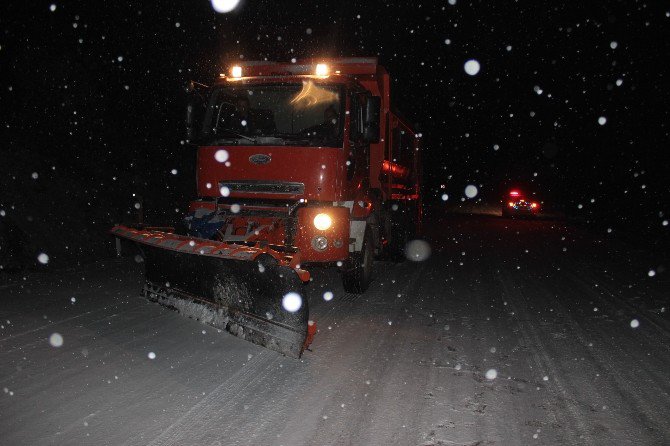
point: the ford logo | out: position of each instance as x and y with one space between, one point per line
260 158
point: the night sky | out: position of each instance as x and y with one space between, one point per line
92 99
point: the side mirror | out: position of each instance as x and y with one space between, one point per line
372 114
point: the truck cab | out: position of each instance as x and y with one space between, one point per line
307 158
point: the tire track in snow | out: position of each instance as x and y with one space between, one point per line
62 321
648 412
200 417
363 359
661 326
574 426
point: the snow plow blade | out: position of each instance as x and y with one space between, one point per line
238 288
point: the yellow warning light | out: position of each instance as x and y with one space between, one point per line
321 69
236 71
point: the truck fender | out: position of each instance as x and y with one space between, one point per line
356 234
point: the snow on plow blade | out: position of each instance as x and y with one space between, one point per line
232 287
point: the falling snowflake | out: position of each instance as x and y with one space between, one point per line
491 374
224 6
56 340
417 250
471 191
602 120
151 355
43 258
221 155
471 67
292 302
634 323
328 295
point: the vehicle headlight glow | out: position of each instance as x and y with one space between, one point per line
322 222
236 71
321 69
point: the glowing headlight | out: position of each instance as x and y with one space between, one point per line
321 69
236 71
322 222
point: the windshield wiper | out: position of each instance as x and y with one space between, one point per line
292 137
237 135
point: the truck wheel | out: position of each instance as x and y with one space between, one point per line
357 277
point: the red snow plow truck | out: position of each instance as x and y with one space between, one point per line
299 165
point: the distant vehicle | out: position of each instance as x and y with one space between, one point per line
516 204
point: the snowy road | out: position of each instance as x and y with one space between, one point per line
571 325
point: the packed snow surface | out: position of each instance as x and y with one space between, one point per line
492 339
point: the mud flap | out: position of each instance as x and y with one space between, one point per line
243 297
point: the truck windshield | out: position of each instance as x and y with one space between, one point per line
307 113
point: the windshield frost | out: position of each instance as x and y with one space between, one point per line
279 114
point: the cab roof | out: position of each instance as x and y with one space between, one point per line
335 66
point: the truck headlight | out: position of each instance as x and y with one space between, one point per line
321 69
322 222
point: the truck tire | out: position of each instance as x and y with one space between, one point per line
357 277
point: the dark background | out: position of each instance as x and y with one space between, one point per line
92 103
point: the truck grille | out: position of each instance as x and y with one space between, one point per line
264 187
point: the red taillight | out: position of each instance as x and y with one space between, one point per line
533 205
514 193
